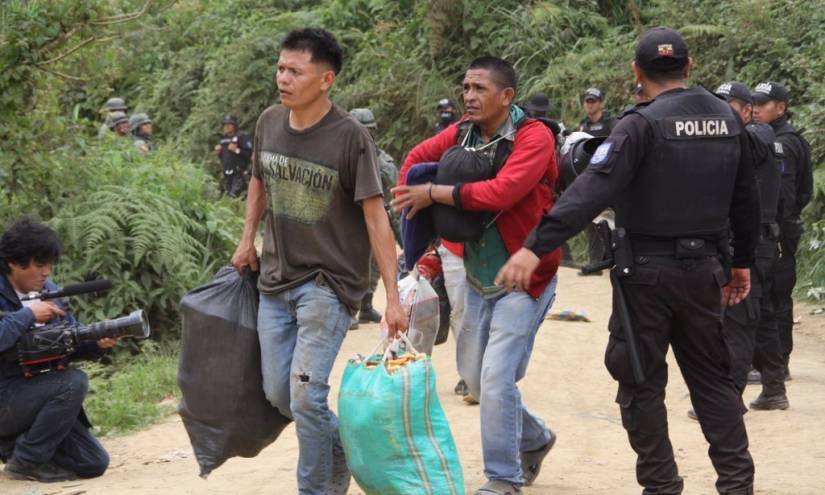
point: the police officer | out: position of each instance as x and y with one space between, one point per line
771 101
750 327
235 153
598 122
112 105
446 115
140 127
389 178
679 170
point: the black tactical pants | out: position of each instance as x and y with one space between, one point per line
784 282
750 329
677 303
234 182
740 326
41 420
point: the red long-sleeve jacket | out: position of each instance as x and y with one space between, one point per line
522 189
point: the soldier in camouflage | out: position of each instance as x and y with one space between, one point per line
113 106
389 178
140 127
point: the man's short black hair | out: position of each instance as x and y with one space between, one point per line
501 70
320 43
25 241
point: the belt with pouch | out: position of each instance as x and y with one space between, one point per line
769 231
679 247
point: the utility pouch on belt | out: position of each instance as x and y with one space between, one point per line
771 231
622 252
690 249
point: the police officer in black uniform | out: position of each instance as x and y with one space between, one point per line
598 122
750 327
771 102
446 115
679 171
235 153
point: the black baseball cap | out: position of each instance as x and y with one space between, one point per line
539 102
770 90
230 119
661 49
592 94
733 90
444 103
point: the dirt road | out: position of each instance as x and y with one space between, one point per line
566 384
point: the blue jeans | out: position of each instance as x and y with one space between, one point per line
301 331
42 420
494 347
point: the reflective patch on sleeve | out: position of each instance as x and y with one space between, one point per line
777 146
601 154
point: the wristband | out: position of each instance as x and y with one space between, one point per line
430 193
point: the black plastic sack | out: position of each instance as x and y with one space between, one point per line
460 165
223 407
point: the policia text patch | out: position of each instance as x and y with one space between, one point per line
699 127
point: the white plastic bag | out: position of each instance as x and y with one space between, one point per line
420 302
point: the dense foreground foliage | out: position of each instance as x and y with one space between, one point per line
156 225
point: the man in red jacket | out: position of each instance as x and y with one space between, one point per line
498 328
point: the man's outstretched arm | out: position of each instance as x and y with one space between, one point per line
383 248
245 254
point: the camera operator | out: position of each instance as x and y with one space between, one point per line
44 432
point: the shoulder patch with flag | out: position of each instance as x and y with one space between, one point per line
600 156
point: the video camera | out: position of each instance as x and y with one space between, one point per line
49 347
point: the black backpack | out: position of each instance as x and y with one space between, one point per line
459 165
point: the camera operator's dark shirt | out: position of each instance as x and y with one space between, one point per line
17 320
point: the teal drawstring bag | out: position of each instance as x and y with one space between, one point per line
396 437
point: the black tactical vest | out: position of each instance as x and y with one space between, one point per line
769 158
685 184
804 167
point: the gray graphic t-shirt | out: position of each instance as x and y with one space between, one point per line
315 180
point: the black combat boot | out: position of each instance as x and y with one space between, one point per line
368 314
770 402
44 473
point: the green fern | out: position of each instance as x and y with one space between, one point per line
151 246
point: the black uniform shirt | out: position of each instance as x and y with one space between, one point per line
236 161
598 187
797 176
600 128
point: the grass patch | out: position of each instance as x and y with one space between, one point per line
133 392
578 248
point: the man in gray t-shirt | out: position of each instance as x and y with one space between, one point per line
315 177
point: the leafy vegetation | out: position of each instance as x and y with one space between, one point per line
187 62
134 392
156 229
